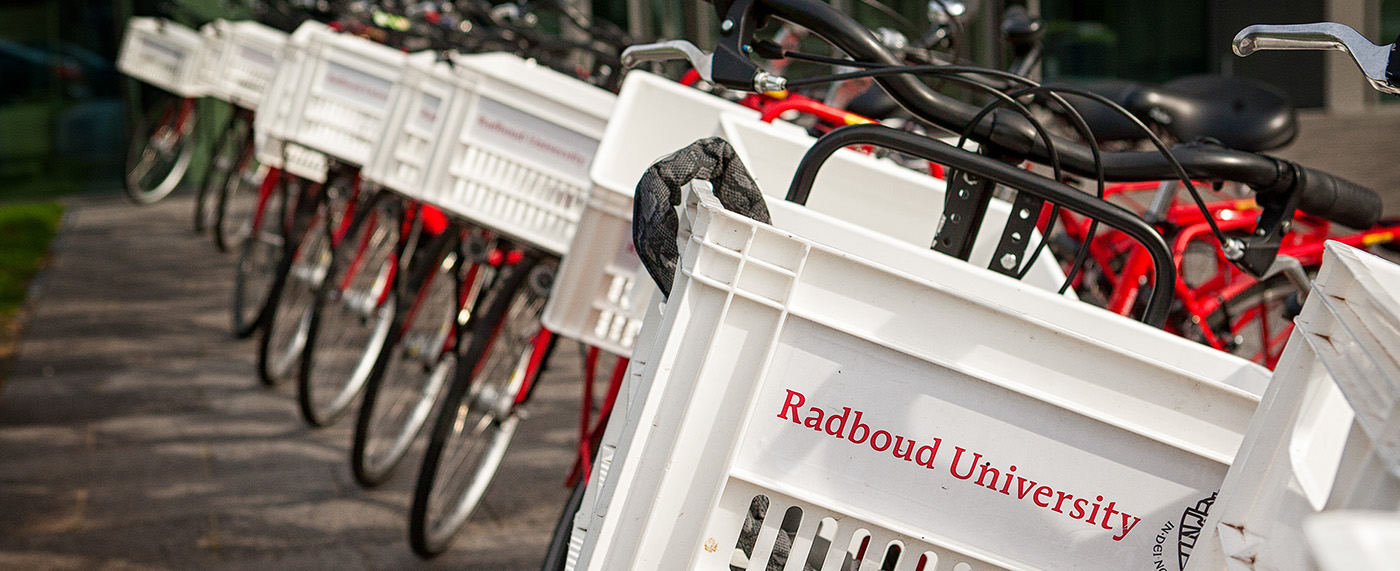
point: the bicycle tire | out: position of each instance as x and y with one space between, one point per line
479 412
1255 322
412 371
238 198
283 341
161 150
350 326
556 556
222 162
259 261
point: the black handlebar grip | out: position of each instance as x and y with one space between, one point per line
1339 200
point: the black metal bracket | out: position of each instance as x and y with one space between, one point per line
731 66
964 206
1260 247
1010 255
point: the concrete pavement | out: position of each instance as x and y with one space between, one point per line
134 433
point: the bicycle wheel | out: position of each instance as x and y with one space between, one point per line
259 259
162 146
557 556
1256 323
289 320
238 199
412 371
221 167
353 316
481 410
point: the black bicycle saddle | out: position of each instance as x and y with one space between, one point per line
1241 113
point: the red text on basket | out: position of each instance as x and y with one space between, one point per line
524 136
966 465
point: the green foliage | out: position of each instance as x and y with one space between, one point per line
25 232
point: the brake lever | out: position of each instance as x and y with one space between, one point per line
667 51
762 82
1378 63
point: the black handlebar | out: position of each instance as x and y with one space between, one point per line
1008 133
1339 200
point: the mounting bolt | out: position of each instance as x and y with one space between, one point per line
1008 261
726 26
1233 249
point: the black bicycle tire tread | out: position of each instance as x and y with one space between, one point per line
556 555
304 404
461 381
365 415
213 175
242 329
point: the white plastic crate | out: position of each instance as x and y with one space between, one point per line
425 104
241 60
594 298
164 54
518 161
344 94
1327 436
272 123
212 51
1355 540
873 193
1036 412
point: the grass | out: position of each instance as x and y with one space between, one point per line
25 232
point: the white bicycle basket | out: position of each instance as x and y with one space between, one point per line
344 93
425 104
1325 438
873 403
518 160
241 60
272 125
164 54
595 297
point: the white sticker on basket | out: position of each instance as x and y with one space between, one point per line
165 53
356 85
626 257
937 450
531 137
427 113
257 57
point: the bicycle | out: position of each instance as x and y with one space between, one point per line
1218 304
321 219
410 372
242 63
262 249
346 321
224 163
167 140
501 348
236 201
161 149
1280 187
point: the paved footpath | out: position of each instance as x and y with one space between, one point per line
135 435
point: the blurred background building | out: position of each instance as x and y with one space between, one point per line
64 108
